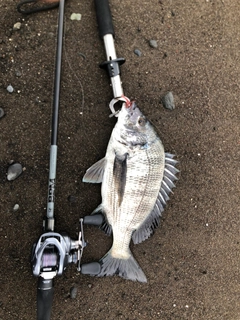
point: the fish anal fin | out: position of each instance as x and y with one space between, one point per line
95 173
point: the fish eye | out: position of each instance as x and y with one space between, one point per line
141 121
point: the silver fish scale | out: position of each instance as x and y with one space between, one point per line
143 179
137 177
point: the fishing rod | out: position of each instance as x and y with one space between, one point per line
54 251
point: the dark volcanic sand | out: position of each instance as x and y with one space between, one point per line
192 261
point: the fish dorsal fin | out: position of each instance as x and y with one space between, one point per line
153 219
95 173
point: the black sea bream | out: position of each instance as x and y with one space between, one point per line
136 176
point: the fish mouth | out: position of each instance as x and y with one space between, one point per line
127 104
132 114
130 105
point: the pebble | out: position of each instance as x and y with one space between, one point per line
72 199
14 171
17 26
38 100
76 16
1 113
10 89
153 43
82 55
18 73
73 292
168 101
16 207
138 52
8 33
51 34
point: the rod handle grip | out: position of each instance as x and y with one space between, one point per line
44 298
104 17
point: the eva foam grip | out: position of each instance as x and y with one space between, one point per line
104 17
44 298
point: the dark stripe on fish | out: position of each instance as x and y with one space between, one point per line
120 175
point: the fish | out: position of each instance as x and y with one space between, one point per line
137 176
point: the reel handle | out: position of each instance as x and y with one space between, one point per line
94 219
91 268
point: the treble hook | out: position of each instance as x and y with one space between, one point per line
25 3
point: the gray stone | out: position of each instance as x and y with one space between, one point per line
1 113
73 292
153 43
18 73
72 199
14 171
138 52
168 101
10 89
16 207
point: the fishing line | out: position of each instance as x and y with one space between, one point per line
73 73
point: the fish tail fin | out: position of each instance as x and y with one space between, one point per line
126 268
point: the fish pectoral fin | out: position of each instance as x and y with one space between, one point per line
95 173
120 175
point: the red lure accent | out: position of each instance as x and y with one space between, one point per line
127 101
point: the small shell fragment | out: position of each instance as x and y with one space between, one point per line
76 16
17 26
